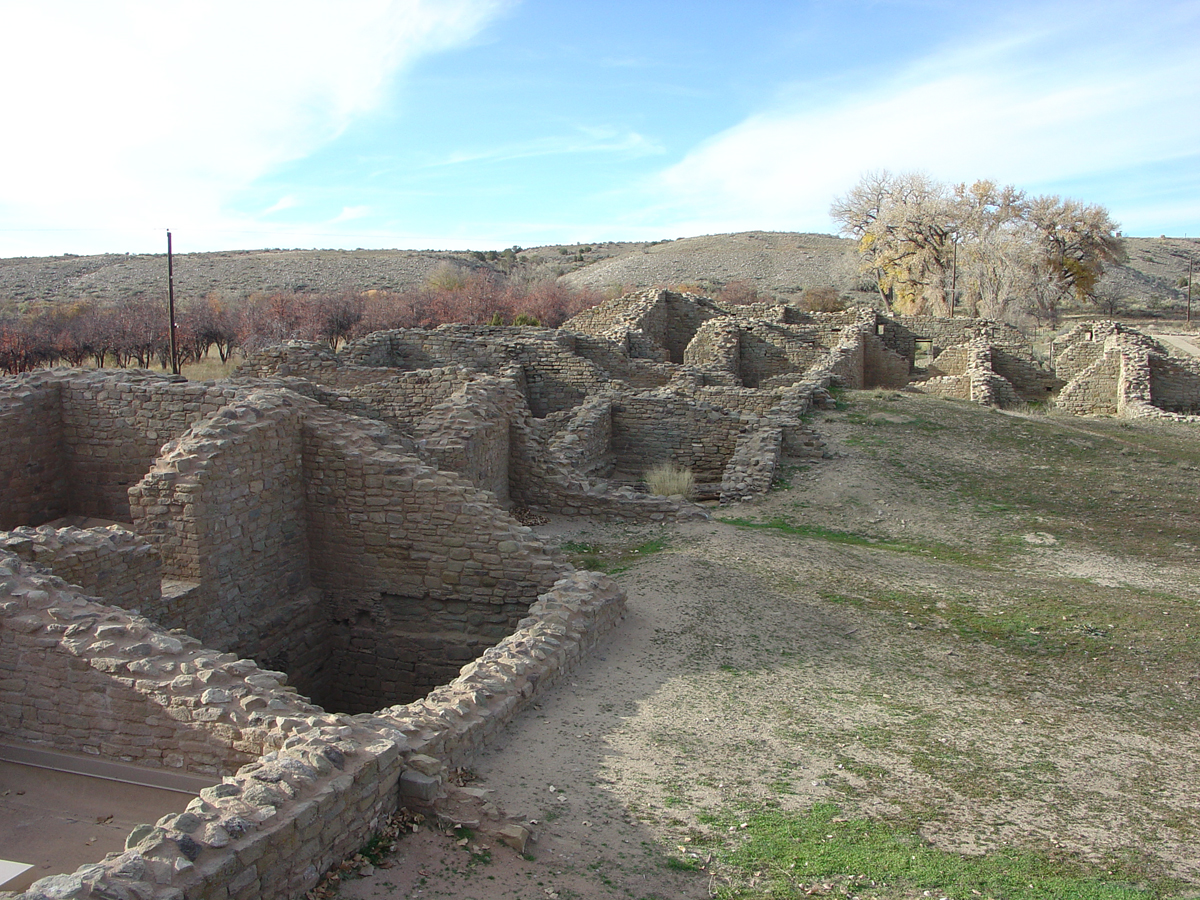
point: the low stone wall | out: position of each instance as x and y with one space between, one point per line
950 387
456 720
113 564
323 784
1175 384
83 677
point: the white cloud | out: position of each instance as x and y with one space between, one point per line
288 201
1092 100
349 213
125 117
584 140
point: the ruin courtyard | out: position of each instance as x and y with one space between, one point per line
319 587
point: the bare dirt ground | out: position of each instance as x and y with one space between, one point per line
977 625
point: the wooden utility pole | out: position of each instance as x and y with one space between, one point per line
954 277
171 304
1189 303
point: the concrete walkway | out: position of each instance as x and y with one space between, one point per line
1188 343
56 821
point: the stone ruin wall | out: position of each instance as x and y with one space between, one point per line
648 429
33 473
584 443
454 434
273 494
300 789
470 433
387 553
112 563
81 676
1115 370
554 377
1175 384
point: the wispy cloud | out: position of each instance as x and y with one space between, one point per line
1098 95
583 140
350 213
134 115
290 201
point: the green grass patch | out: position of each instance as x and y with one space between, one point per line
612 559
938 551
790 853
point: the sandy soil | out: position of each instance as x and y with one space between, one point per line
747 671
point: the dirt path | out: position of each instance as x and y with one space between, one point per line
766 667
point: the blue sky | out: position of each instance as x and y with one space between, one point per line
481 124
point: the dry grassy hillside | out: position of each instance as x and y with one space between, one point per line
779 264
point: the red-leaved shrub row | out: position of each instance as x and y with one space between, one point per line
134 331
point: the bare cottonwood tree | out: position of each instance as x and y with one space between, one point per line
1008 253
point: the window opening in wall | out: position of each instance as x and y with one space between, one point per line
923 353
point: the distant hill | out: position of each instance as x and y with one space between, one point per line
779 264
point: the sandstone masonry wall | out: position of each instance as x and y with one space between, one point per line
1175 384
468 433
654 428
33 476
224 506
84 677
114 426
112 563
585 443
324 783
1093 391
555 377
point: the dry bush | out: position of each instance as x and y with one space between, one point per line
822 299
738 293
668 480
